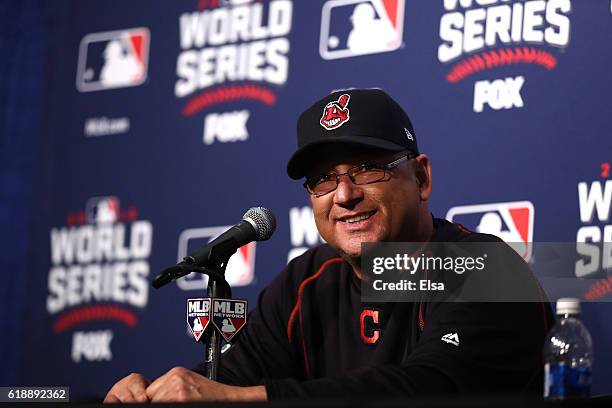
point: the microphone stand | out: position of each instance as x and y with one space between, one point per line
218 288
212 338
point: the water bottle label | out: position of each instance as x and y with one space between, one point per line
563 381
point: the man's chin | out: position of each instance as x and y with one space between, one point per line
349 253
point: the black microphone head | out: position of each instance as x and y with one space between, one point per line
262 220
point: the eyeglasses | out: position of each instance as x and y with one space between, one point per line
359 175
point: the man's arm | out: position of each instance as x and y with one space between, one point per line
182 385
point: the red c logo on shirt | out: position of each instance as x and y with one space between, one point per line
369 335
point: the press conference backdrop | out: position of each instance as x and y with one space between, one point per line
164 122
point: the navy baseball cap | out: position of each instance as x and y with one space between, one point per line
364 117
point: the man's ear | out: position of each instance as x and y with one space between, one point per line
422 173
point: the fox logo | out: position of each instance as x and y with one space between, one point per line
336 113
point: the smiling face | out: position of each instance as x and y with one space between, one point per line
392 210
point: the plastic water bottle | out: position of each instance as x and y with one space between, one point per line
568 355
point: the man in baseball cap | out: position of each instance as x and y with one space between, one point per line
313 336
385 194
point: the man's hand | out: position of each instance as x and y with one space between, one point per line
129 389
182 385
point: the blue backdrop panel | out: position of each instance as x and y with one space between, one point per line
163 123
22 38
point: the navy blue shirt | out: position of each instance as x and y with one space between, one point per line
312 336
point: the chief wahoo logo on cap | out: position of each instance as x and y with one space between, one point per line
335 113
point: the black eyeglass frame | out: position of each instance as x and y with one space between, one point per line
366 166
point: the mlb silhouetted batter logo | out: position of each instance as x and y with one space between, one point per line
510 221
369 34
102 210
113 59
227 326
336 113
197 325
351 28
120 67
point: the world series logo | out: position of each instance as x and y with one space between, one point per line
480 36
99 273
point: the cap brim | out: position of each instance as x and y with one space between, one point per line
299 162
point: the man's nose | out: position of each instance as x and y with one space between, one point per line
347 193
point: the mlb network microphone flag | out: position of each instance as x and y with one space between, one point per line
228 316
198 316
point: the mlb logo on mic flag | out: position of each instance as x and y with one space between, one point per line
240 269
359 27
113 59
198 316
510 221
229 316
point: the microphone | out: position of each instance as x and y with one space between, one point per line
258 224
